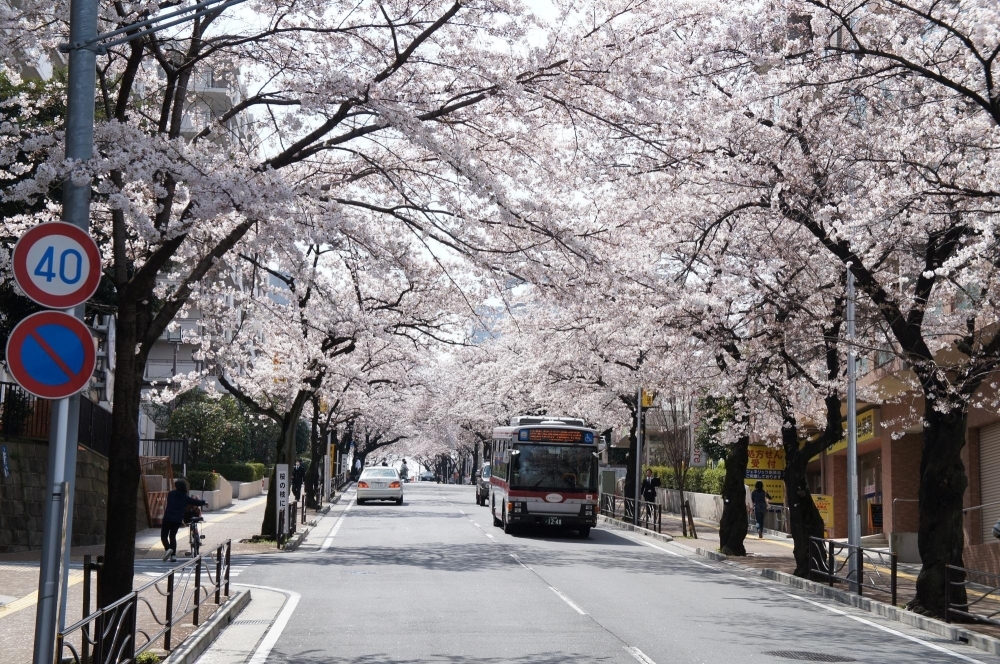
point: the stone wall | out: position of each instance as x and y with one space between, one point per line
22 497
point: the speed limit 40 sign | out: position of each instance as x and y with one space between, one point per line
57 265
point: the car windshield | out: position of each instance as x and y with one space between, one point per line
553 467
379 472
486 470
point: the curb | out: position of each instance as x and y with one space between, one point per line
623 525
199 642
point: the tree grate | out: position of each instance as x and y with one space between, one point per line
806 656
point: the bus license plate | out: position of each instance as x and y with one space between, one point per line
553 521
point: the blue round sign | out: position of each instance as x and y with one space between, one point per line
51 354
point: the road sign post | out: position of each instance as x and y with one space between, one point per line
281 504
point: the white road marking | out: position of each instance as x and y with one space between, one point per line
638 655
336 528
462 511
567 600
863 621
491 537
274 631
889 630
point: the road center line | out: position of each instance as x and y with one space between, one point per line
638 655
336 528
567 600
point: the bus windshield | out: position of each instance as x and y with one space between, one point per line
556 467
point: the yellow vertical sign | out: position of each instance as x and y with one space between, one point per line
767 464
824 504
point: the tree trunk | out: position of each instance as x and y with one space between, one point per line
315 459
733 525
942 486
804 519
123 463
285 454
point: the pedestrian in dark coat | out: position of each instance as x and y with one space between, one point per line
649 486
759 498
298 477
173 517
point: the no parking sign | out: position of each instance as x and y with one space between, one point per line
51 354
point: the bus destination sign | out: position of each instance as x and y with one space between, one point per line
555 436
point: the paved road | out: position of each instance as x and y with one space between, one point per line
434 581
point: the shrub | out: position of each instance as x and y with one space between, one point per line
202 480
148 657
234 472
699 480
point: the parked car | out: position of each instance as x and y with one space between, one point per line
483 485
380 483
427 476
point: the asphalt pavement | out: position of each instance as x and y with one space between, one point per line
433 580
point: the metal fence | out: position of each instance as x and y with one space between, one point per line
23 415
984 586
830 561
623 509
175 448
94 430
123 630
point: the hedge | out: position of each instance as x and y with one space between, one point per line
699 480
234 472
202 480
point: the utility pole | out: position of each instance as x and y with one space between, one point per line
57 533
638 454
853 515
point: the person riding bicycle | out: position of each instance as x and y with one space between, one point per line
174 517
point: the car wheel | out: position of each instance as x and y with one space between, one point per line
496 521
399 501
584 532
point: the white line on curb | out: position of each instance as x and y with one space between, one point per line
932 646
568 601
638 655
336 528
274 631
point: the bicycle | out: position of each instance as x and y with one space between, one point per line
194 535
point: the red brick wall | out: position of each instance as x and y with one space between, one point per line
973 521
901 479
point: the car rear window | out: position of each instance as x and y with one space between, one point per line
379 472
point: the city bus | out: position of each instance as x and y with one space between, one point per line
544 472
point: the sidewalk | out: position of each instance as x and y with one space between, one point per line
19 571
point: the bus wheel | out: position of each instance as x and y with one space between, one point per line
493 509
584 532
508 527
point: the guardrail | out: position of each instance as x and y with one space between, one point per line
623 509
876 569
22 415
985 608
123 630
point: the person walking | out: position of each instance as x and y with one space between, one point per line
173 517
648 490
357 468
404 471
759 499
298 477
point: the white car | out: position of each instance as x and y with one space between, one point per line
380 483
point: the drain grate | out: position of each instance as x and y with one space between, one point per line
250 622
806 656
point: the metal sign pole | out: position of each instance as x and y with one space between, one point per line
57 536
853 515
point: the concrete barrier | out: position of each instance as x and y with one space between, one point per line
244 490
218 499
703 505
